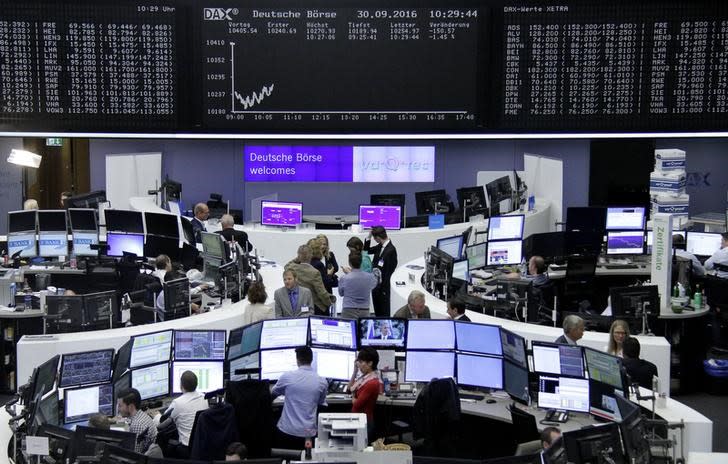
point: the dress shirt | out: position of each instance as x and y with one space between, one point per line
719 257
356 289
159 273
293 296
304 391
184 409
698 269
143 426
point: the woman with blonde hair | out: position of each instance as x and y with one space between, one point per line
329 260
317 252
618 333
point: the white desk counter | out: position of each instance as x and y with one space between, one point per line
697 457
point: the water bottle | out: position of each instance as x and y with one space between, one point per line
73 261
697 298
28 300
524 267
386 385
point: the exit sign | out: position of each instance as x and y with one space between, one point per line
54 142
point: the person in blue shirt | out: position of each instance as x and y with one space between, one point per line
355 287
304 391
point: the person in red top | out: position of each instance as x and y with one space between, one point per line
366 388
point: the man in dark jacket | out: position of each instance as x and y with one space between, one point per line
639 370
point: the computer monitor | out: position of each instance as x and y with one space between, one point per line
91 441
22 244
602 400
514 347
81 403
549 358
152 348
625 242
584 243
151 381
121 361
703 243
83 219
279 213
213 245
333 363
45 378
430 334
432 202
477 255
165 225
284 333
22 221
176 298
461 270
156 245
118 244
86 368
52 220
570 394
515 381
64 314
634 301
47 411
382 333
387 199
340 333
478 338
274 363
82 242
634 438
650 237
453 246
199 345
594 444
479 371
605 368
388 217
586 219
86 200
123 382
121 220
548 245
471 201
250 361
503 253
626 218
244 340
423 366
59 440
209 374
52 245
499 190
506 227
116 455
99 309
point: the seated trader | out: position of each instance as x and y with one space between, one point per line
99 421
639 370
202 212
573 330
128 405
548 436
231 235
719 260
356 289
307 276
678 241
456 310
257 310
162 265
536 272
415 307
292 300
304 391
173 275
184 409
366 387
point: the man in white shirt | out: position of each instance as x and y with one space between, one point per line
719 260
678 241
184 408
162 265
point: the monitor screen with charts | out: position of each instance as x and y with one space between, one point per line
428 334
478 338
563 393
477 255
423 366
251 361
199 344
376 215
151 381
151 348
278 213
461 270
118 244
209 375
626 218
514 347
333 332
506 227
604 368
480 371
453 246
506 252
333 364
86 368
558 359
284 333
274 363
383 332
244 340
213 244
81 403
703 243
625 242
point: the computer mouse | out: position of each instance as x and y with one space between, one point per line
490 401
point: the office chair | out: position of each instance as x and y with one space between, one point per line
716 296
436 418
253 405
213 430
525 429
528 448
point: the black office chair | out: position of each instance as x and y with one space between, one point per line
253 405
436 418
579 280
716 296
524 426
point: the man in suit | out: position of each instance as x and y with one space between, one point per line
291 300
385 259
202 212
456 310
573 330
310 278
415 307
639 370
231 235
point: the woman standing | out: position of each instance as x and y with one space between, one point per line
366 388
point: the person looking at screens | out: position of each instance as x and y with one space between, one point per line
304 391
719 260
292 300
129 404
183 410
415 307
162 265
678 242
573 330
618 333
548 436
366 385
228 232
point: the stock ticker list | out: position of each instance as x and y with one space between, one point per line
93 66
588 66
341 68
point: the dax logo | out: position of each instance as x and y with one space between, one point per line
219 14
698 179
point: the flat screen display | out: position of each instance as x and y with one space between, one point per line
22 244
386 216
80 404
563 393
333 332
82 242
333 364
52 245
213 244
625 242
52 221
558 359
274 363
453 246
478 338
480 371
626 218
284 333
86 368
428 334
209 375
121 220
461 270
151 381
477 255
165 225
151 348
251 361
388 333
514 347
515 381
277 213
603 367
21 221
505 252
120 243
199 344
506 227
82 218
423 366
702 243
244 340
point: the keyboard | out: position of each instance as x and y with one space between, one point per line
471 396
620 266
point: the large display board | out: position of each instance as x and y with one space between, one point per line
375 66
